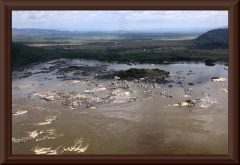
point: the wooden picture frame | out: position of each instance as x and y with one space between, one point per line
6 6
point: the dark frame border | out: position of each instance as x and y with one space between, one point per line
6 6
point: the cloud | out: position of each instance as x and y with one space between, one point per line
117 20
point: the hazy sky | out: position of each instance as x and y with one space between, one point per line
118 19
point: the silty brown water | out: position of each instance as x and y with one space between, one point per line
149 125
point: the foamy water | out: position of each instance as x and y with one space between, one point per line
37 136
49 120
76 147
20 112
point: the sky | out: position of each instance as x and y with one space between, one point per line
118 19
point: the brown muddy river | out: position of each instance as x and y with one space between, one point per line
134 120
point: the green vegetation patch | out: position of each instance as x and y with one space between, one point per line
188 101
215 78
70 69
209 62
141 73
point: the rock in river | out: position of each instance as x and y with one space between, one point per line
116 92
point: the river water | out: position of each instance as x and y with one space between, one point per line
149 125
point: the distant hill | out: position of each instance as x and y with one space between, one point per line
223 27
35 31
31 35
52 33
217 38
162 32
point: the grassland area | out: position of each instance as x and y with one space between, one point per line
121 47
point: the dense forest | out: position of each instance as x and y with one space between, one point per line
23 55
142 48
